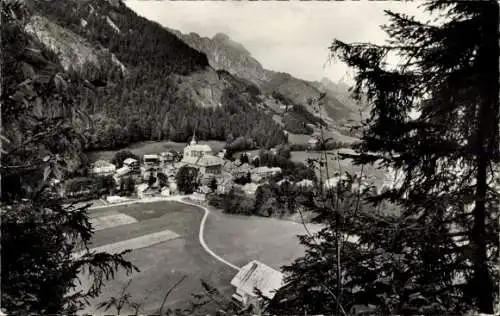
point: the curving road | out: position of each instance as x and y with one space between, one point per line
201 233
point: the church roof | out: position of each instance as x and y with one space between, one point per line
198 147
203 161
209 160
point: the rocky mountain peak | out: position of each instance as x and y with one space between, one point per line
225 54
222 37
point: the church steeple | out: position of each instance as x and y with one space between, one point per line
193 141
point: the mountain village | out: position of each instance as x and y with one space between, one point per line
150 167
216 173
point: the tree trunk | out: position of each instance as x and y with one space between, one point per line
487 127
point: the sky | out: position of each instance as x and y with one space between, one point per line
286 36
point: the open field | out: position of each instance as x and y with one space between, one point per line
150 147
162 263
238 239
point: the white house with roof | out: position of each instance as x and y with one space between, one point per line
120 173
256 275
151 161
131 163
266 171
102 168
151 166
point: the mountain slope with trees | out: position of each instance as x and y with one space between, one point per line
165 89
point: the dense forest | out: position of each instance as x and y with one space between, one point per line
147 102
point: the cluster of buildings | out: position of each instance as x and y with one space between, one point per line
195 155
212 166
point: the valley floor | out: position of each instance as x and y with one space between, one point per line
165 246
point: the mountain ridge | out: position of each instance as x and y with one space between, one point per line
223 53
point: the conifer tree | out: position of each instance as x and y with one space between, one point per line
435 119
44 242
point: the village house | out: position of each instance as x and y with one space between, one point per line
151 162
120 173
125 171
132 163
311 126
242 171
263 173
172 187
256 275
167 157
165 191
151 166
143 191
102 168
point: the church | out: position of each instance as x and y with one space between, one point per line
201 157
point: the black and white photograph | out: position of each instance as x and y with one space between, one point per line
253 158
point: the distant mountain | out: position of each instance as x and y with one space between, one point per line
224 53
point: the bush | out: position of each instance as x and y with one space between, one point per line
300 111
237 202
187 179
213 184
105 184
284 151
162 179
216 200
241 143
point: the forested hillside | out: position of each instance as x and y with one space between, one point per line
165 90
